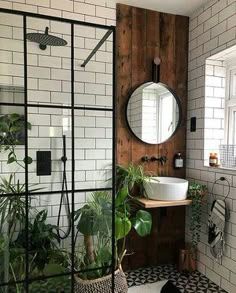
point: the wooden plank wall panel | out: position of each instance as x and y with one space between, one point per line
124 81
143 35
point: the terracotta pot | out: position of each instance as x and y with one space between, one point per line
102 285
187 260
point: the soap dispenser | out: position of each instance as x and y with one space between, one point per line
178 161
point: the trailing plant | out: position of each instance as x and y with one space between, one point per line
196 193
12 133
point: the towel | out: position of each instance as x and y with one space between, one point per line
216 227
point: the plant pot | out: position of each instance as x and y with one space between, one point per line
102 285
187 260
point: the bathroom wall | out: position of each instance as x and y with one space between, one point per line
212 29
143 35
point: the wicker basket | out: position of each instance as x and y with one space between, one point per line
102 285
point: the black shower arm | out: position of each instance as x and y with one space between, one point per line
98 46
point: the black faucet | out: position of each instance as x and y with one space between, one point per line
162 159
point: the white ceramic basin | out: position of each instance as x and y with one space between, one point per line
168 188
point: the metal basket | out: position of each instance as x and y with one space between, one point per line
228 155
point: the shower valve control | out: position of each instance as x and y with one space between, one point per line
44 163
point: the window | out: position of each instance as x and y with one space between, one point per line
230 105
220 107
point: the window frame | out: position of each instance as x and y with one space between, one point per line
230 102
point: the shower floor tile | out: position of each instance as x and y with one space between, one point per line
187 283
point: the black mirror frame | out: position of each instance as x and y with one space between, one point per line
178 101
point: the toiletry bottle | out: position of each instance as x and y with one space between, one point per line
178 161
213 160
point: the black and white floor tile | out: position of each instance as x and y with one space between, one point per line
186 283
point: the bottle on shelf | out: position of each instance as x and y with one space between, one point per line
213 160
178 161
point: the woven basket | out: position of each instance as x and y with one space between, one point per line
102 285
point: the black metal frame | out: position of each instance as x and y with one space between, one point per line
178 101
72 191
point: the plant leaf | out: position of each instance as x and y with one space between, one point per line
15 116
11 160
122 227
142 223
122 195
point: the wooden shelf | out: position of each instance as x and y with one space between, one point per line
150 204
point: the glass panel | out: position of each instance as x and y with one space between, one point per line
11 59
48 128
93 83
52 285
12 257
12 180
93 149
49 70
93 243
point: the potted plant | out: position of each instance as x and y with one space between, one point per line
133 177
188 256
94 222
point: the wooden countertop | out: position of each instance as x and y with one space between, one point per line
150 204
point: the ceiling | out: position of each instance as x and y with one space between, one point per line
181 7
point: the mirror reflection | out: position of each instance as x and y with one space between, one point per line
153 113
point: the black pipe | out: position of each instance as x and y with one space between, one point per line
98 46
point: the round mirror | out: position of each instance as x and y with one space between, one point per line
153 112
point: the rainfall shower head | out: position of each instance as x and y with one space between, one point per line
45 39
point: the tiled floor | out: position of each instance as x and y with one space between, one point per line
148 288
194 282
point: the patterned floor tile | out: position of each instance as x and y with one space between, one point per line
187 283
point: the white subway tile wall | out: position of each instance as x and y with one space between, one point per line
49 83
212 29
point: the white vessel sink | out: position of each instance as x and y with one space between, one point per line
168 188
